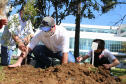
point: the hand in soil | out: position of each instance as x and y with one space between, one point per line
14 65
106 66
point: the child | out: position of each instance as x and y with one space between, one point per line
3 18
101 56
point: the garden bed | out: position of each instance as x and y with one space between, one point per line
70 73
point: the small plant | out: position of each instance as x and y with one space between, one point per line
93 69
30 11
123 80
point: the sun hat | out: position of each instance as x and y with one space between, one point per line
47 23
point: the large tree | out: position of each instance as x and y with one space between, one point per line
78 8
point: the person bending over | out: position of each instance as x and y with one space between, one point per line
101 56
56 44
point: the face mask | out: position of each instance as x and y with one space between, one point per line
47 34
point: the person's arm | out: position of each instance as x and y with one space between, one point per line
1 26
4 21
113 58
114 63
20 59
65 58
80 58
19 42
17 39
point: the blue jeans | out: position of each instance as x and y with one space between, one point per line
5 56
41 53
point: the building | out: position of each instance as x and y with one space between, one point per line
122 30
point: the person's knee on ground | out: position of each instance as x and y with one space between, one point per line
71 58
42 64
42 61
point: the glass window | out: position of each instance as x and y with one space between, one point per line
96 30
85 44
123 30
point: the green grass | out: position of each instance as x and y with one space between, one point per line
2 75
119 72
12 62
123 80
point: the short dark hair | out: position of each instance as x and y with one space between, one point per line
101 43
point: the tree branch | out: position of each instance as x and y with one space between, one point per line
98 3
121 20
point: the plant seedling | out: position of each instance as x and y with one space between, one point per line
93 47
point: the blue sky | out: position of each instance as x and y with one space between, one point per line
107 19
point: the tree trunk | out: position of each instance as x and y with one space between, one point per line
56 16
77 33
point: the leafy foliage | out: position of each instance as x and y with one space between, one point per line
64 8
108 4
123 50
13 24
30 11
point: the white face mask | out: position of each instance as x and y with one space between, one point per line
47 34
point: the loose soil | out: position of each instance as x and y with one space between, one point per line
70 73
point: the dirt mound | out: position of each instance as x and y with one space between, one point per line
70 73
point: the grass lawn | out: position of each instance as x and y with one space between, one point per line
119 72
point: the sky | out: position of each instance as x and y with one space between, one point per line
107 19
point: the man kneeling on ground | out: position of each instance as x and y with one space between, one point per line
56 44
